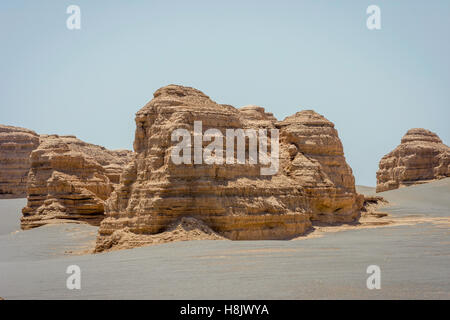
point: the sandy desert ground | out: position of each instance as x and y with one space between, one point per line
411 246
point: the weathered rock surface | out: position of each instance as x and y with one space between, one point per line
16 145
70 180
313 182
314 158
421 157
184 229
371 205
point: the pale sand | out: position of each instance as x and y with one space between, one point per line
412 252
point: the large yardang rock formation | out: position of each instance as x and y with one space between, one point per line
16 145
70 180
421 157
235 200
314 157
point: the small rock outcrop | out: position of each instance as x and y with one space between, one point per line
421 157
70 180
313 182
313 156
183 229
16 145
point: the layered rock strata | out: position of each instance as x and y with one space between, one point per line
235 200
421 157
16 145
70 180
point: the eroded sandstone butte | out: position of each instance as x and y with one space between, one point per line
70 179
313 182
16 145
421 157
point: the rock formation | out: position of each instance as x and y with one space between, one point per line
183 229
70 180
313 183
314 158
421 157
16 145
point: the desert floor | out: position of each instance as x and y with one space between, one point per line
411 246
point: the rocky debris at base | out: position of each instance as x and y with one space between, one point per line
70 180
371 205
184 229
313 182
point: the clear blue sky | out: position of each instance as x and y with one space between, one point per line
283 55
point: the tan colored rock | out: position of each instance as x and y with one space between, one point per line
256 117
16 145
313 156
69 180
421 157
234 200
184 229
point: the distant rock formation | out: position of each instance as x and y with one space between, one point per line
70 180
16 145
313 181
421 157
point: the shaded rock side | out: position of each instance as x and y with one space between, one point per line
421 157
234 200
16 145
70 180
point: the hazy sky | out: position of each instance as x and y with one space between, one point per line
283 55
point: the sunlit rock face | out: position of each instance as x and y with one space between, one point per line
70 179
421 157
16 145
313 181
